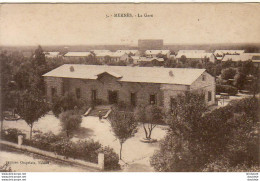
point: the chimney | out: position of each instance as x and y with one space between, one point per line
170 73
71 68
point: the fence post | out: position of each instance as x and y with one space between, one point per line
101 161
20 140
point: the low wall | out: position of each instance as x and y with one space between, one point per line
98 167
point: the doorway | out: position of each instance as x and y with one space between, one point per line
112 97
94 96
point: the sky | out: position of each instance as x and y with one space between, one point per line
87 24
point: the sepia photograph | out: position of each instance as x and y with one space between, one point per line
129 87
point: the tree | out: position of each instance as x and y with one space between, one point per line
150 116
228 73
123 125
66 102
240 80
70 121
179 150
224 139
31 107
187 109
39 56
107 59
183 59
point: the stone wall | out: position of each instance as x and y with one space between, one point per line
105 83
171 91
206 85
53 82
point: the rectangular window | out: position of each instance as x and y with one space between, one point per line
173 104
94 95
152 99
78 93
203 77
53 91
133 99
209 96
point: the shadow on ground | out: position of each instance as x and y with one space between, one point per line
83 133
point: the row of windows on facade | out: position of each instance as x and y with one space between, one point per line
152 99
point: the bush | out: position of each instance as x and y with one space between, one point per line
64 147
43 141
70 121
11 135
226 89
86 150
225 139
111 159
68 102
228 73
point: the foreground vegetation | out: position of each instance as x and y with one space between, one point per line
225 139
86 150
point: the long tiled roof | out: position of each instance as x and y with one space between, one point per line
241 57
155 52
127 51
77 54
194 55
191 51
183 76
232 52
111 54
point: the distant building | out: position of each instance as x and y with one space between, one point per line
131 85
256 60
100 51
154 61
51 54
77 55
191 51
112 57
221 53
197 56
128 52
154 53
242 57
150 44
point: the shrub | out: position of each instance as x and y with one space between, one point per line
63 147
228 73
111 159
226 89
43 140
70 121
87 150
11 135
225 139
67 102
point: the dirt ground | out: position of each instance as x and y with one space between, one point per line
135 153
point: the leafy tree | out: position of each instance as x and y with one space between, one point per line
183 59
150 116
179 150
107 59
228 73
70 121
39 56
31 107
240 80
123 125
188 109
66 102
225 139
